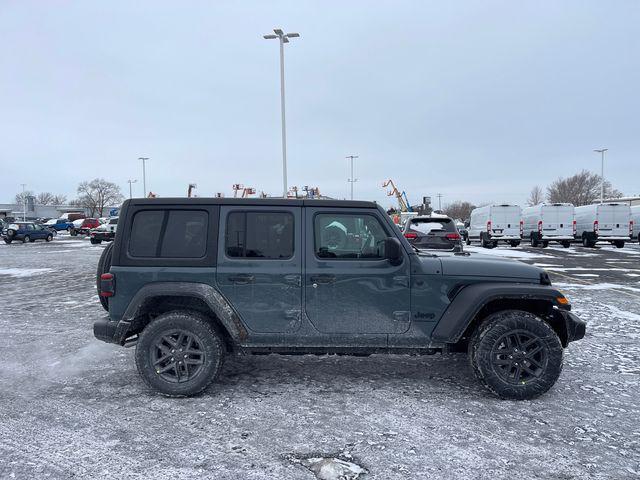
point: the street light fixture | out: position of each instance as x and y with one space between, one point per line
352 180
601 152
130 191
144 175
283 38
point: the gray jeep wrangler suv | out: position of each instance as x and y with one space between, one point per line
192 280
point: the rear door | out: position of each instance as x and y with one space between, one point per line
505 220
260 265
557 220
350 288
613 220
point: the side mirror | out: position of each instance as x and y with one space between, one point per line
393 251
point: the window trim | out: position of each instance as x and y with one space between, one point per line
323 259
251 259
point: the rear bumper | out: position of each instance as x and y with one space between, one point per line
109 331
505 237
604 238
576 328
554 238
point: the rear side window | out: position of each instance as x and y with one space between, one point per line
264 235
169 234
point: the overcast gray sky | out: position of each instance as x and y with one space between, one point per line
476 100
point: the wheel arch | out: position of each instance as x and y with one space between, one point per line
474 303
161 297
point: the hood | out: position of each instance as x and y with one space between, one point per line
483 266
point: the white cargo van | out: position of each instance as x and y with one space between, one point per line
604 222
496 223
635 218
549 222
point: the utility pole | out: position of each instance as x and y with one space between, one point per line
144 175
24 202
352 180
130 190
601 152
283 38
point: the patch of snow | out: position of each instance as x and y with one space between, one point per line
596 286
331 468
505 252
586 275
24 272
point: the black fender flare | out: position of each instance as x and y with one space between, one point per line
472 298
218 304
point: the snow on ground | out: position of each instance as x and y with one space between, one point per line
74 407
24 272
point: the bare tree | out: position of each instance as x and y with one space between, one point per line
459 210
536 196
44 198
98 194
580 189
22 196
59 199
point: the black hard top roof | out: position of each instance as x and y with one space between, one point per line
253 201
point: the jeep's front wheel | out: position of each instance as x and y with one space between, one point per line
179 353
516 355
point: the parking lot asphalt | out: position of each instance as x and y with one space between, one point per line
74 407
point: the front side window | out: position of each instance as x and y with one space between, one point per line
264 235
347 236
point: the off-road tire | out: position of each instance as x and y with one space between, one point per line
195 324
485 339
104 264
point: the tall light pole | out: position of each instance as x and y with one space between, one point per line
283 38
352 180
440 202
144 175
601 152
24 202
130 190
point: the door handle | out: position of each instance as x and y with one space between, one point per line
323 278
241 279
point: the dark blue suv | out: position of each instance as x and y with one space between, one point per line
192 280
25 232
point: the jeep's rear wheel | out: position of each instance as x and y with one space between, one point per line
104 264
516 355
179 354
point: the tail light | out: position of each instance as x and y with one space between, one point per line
489 226
575 227
411 235
107 285
453 236
595 226
540 226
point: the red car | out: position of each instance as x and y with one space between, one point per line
85 227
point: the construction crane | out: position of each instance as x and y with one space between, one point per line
403 202
192 187
237 187
248 191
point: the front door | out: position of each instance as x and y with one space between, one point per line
260 266
350 288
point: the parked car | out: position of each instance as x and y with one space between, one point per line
496 223
433 233
635 218
604 222
25 232
549 222
83 226
59 224
192 280
105 232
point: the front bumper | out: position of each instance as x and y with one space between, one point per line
576 328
